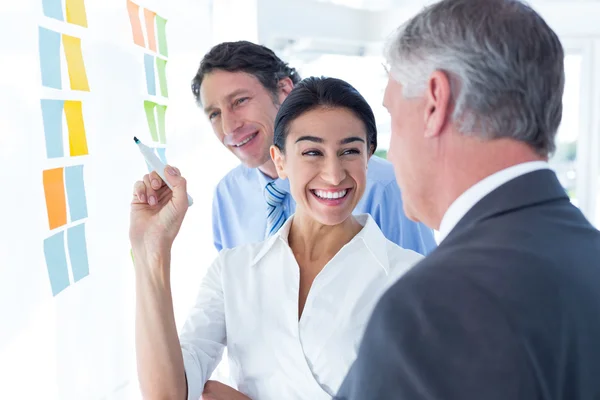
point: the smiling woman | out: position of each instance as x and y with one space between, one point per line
271 302
324 136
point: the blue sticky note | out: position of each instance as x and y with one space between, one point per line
50 58
161 152
56 262
150 77
76 192
53 9
52 116
78 252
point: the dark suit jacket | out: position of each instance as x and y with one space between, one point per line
506 308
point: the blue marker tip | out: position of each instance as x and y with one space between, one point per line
136 140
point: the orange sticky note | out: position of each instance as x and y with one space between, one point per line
77 137
149 17
75 65
136 25
56 204
76 12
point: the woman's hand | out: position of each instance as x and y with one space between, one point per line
214 390
157 212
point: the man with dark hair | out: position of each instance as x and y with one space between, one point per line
240 86
507 307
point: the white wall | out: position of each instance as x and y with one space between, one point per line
78 343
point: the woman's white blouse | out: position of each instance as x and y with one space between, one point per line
248 301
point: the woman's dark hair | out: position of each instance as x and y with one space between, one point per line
314 92
248 57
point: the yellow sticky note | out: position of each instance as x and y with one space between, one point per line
75 65
77 138
76 12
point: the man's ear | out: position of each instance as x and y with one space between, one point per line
279 161
284 87
438 96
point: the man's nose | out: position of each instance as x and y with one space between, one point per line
230 122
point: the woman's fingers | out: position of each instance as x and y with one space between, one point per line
150 192
139 192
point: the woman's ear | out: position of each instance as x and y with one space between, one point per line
371 151
279 161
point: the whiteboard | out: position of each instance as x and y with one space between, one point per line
78 80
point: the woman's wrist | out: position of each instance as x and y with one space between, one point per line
152 262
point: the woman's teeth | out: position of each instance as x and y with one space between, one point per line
330 195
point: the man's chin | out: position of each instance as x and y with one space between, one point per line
253 163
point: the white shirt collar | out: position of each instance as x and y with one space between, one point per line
475 193
370 235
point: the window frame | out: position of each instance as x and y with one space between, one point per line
588 143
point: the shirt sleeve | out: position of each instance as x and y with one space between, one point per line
216 221
439 338
203 335
396 226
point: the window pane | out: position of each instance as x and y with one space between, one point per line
564 160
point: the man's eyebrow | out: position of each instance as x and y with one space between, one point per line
229 97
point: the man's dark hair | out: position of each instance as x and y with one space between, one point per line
248 57
314 92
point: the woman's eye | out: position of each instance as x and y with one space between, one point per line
311 153
351 151
213 115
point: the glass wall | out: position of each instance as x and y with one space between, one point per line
564 160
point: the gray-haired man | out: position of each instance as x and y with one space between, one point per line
508 305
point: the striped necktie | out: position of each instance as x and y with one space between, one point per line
275 216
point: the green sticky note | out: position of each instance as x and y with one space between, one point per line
149 108
161 66
161 112
161 32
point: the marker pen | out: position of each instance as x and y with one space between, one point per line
156 164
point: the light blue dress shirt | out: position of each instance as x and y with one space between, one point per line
239 208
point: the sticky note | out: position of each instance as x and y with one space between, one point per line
54 190
49 42
76 192
161 153
77 137
78 252
53 9
149 108
75 65
150 76
149 19
56 262
161 34
136 26
52 118
161 111
161 66
76 12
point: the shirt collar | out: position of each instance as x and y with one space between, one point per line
263 179
370 236
475 193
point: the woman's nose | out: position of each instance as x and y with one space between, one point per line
333 172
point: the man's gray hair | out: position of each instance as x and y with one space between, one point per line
504 63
